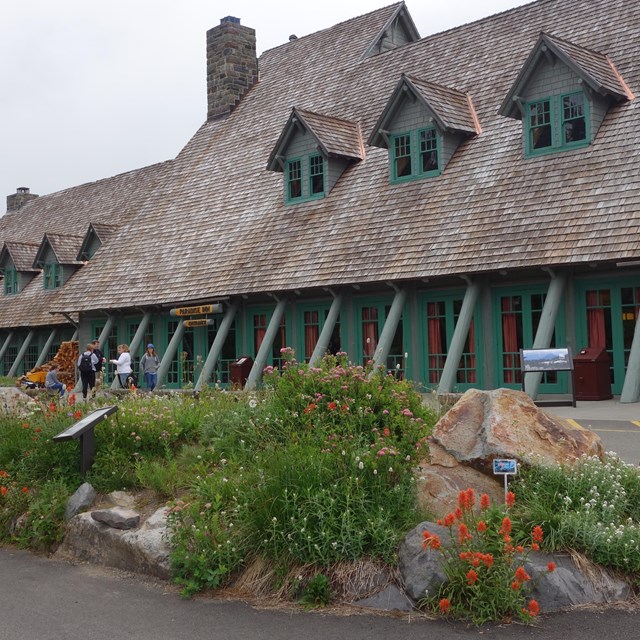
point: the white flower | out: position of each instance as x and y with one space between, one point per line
253 403
360 465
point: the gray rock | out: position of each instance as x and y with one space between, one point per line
390 599
14 401
144 550
122 499
568 586
81 500
421 569
117 518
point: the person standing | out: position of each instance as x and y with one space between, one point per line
52 381
99 366
87 366
149 364
123 365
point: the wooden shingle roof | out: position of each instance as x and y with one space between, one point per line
22 255
491 209
64 247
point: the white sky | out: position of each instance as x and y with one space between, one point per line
92 89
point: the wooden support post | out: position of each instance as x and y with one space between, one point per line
265 348
170 353
327 330
47 345
460 333
23 349
631 385
389 330
216 348
546 327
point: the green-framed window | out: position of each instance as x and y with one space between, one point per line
607 313
10 281
415 154
259 319
517 314
316 176
440 313
310 321
369 323
52 275
557 123
293 169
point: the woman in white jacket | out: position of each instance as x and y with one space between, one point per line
123 364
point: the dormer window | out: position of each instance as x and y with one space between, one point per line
10 281
52 275
557 122
444 118
313 151
414 154
568 119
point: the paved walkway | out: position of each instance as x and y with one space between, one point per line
618 424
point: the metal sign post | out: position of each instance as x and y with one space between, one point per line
83 429
505 467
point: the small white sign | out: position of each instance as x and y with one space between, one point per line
503 466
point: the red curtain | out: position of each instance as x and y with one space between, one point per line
259 329
311 333
509 341
369 331
597 334
435 342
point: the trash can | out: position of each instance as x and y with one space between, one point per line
239 371
591 374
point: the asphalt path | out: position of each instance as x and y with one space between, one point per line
621 436
44 599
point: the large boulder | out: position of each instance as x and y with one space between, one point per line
503 423
141 550
15 402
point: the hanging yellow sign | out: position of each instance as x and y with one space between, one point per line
204 322
200 310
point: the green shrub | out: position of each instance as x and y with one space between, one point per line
317 592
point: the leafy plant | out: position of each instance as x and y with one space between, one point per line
317 592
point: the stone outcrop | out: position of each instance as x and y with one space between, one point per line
423 574
117 518
15 402
484 425
81 500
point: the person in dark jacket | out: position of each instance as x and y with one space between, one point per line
100 364
87 367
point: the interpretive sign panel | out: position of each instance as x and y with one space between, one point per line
546 359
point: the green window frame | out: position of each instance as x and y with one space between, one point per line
415 154
429 152
52 275
10 281
557 123
293 171
316 176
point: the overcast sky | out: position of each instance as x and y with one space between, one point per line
92 89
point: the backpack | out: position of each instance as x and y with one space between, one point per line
85 363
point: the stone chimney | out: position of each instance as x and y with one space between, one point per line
232 66
19 199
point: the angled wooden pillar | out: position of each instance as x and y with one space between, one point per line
47 345
460 333
170 353
546 327
327 330
21 352
102 338
74 337
267 342
6 343
216 348
631 385
389 330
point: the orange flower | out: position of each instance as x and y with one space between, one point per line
77 415
431 540
466 499
505 529
510 499
38 429
488 560
520 549
551 566
481 526
386 432
3 474
472 576
72 399
522 575
444 605
4 491
25 425
475 562
484 501
535 547
458 514
463 533
515 585
537 534
534 607
332 406
449 519
25 490
310 407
